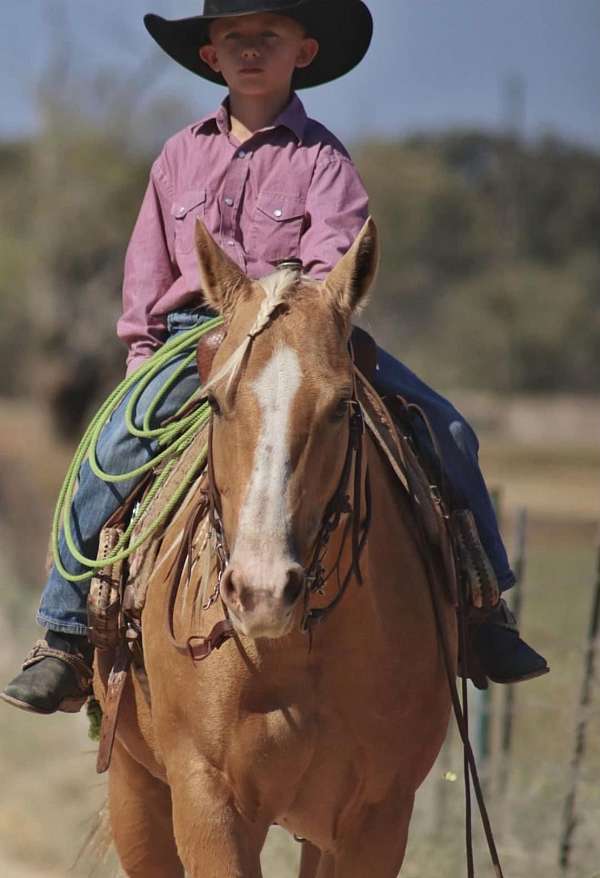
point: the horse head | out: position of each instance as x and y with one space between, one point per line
281 392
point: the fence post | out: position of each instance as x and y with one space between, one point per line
481 700
519 565
570 806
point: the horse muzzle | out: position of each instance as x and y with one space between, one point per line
262 600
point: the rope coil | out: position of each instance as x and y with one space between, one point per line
172 439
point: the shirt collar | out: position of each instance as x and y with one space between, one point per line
293 117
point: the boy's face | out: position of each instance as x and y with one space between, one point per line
257 54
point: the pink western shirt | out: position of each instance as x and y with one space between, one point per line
291 191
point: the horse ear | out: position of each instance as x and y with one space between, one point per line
222 281
349 282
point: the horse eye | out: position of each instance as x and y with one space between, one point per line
341 409
215 407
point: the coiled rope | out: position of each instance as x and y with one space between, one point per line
172 440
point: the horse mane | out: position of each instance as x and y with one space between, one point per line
277 288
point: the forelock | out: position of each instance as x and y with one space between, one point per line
278 287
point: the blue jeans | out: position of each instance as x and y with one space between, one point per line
63 603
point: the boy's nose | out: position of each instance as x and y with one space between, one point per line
249 52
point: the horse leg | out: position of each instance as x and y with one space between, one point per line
140 817
309 861
375 845
213 838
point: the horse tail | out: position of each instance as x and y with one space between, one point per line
98 844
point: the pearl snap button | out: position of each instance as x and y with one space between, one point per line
231 243
278 212
180 211
242 153
229 202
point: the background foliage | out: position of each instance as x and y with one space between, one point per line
491 271
491 257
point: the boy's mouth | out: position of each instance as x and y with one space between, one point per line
251 70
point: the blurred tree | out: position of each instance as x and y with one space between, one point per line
87 191
434 227
15 220
491 258
524 328
83 176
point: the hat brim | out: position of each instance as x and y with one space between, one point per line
343 28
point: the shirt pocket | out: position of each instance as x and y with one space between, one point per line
278 223
190 206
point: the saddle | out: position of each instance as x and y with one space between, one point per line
448 536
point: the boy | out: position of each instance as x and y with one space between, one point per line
270 185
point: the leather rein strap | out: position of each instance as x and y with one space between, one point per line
471 773
461 711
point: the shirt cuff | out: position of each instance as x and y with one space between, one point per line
134 363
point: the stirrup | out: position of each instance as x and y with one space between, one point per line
83 673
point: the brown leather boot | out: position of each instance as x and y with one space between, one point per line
56 675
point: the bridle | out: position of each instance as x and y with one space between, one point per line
339 505
316 576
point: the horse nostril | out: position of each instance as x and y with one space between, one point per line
228 585
294 585
235 591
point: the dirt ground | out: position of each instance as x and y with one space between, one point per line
14 870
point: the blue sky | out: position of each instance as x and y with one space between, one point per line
433 63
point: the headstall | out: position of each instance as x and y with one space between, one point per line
316 577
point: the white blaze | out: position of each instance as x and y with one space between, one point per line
263 522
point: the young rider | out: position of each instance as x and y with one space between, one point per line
270 184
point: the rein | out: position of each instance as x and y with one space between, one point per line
461 710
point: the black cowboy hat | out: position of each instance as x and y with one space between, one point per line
343 28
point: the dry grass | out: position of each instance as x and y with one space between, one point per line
555 484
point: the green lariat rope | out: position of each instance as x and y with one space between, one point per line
172 439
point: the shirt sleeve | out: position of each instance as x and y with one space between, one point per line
150 270
337 207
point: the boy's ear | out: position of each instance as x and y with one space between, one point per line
307 52
208 54
223 284
351 279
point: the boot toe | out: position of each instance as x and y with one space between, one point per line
44 688
505 657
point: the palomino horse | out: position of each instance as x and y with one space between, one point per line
329 736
